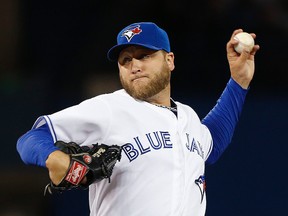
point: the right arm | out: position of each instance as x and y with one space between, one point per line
36 147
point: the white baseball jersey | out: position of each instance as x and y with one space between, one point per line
161 171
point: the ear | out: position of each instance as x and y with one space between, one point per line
170 60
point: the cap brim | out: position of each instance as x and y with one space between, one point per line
114 52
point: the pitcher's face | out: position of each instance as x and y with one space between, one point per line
144 72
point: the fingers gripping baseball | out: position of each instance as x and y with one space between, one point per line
91 165
240 54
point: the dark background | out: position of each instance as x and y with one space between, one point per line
53 55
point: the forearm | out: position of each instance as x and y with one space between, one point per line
223 118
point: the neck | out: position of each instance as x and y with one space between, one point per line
172 108
161 101
162 98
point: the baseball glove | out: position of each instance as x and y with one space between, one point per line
94 163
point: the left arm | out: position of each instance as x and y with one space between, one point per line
223 118
242 66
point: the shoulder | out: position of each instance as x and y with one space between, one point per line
105 98
185 107
109 102
121 93
187 110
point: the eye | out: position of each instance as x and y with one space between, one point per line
147 54
144 56
124 60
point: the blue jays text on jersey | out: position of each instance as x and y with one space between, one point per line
156 141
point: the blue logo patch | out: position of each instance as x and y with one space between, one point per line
201 183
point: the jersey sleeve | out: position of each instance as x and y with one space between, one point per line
223 118
207 138
84 124
35 146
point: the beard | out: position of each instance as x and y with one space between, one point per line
144 91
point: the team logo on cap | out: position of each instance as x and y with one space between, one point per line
130 33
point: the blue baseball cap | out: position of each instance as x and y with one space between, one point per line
145 34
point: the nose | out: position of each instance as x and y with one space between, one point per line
135 66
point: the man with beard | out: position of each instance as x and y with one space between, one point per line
165 145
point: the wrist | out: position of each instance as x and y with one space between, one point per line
244 84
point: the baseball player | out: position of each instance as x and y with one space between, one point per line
164 145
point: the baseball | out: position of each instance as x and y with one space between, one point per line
246 42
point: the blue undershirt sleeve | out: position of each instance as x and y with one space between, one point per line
35 146
223 118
